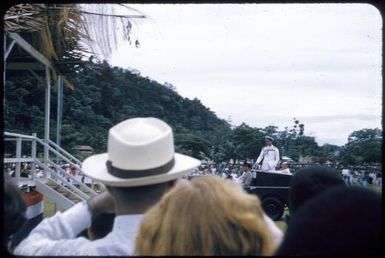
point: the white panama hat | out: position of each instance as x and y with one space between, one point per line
140 152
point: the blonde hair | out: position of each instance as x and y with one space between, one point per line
205 216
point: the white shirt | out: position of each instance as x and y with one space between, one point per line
78 177
286 171
87 180
270 156
345 172
57 235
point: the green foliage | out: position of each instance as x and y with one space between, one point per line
101 100
192 145
364 146
248 141
293 143
113 94
329 152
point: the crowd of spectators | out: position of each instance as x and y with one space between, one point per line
362 178
70 173
364 175
149 209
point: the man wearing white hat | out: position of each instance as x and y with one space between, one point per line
139 167
269 154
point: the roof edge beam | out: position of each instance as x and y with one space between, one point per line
25 66
9 49
30 49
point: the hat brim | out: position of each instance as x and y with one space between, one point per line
95 167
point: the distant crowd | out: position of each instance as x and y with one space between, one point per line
363 175
70 173
149 209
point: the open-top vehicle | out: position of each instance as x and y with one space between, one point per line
272 188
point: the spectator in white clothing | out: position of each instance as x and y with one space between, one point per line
138 169
285 168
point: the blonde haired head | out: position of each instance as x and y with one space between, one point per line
205 216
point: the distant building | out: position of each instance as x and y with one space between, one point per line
83 148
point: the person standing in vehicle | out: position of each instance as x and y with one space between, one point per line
269 154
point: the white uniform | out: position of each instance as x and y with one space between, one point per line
270 156
285 171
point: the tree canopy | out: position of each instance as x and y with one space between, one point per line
105 98
364 146
114 94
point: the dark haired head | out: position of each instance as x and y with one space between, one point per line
309 182
245 164
14 210
341 221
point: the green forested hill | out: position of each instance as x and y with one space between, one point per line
105 98
109 95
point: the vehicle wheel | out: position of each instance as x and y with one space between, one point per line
273 207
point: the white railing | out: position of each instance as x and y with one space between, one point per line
50 168
65 153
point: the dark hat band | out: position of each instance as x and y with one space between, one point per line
123 173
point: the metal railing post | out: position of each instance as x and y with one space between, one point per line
4 70
65 153
56 172
47 117
58 115
18 163
33 155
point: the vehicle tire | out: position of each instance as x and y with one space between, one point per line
273 207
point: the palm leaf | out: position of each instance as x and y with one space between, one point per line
67 33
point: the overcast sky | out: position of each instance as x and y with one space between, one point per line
264 64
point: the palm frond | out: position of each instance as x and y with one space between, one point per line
67 33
